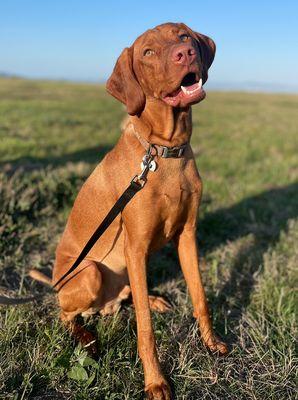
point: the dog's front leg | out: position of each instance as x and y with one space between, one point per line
156 386
189 260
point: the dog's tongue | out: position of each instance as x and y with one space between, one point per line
192 88
186 94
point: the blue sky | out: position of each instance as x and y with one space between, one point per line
257 41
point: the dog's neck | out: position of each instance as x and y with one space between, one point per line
162 124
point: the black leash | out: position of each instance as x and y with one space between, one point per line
136 184
117 208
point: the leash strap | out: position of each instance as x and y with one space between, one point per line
137 183
117 208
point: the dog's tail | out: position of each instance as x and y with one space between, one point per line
40 277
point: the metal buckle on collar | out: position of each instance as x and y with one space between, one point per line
173 152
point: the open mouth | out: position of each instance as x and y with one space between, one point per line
189 92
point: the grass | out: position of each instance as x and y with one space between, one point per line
52 134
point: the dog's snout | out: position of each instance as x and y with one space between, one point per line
183 54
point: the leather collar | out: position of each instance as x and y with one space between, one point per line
162 151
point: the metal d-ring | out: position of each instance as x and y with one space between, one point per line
146 162
150 148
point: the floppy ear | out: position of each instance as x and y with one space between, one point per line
207 49
123 84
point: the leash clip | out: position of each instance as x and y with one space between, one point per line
148 164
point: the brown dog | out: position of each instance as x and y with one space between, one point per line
158 78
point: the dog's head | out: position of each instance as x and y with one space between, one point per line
169 62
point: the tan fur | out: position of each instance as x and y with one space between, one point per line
166 209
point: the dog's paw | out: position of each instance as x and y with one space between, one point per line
216 345
89 343
210 339
159 304
158 391
92 349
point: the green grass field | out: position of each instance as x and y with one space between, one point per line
51 137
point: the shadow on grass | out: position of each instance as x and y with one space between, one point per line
90 155
263 216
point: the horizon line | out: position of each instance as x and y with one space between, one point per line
244 86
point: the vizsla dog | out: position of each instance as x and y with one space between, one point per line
158 79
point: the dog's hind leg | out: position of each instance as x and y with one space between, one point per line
80 295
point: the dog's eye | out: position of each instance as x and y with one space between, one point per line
183 37
148 52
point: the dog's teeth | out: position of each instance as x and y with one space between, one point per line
197 87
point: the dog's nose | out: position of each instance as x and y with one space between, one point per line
183 54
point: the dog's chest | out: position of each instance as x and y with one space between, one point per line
175 211
179 195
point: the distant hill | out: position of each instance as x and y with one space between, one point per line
8 75
250 86
246 86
